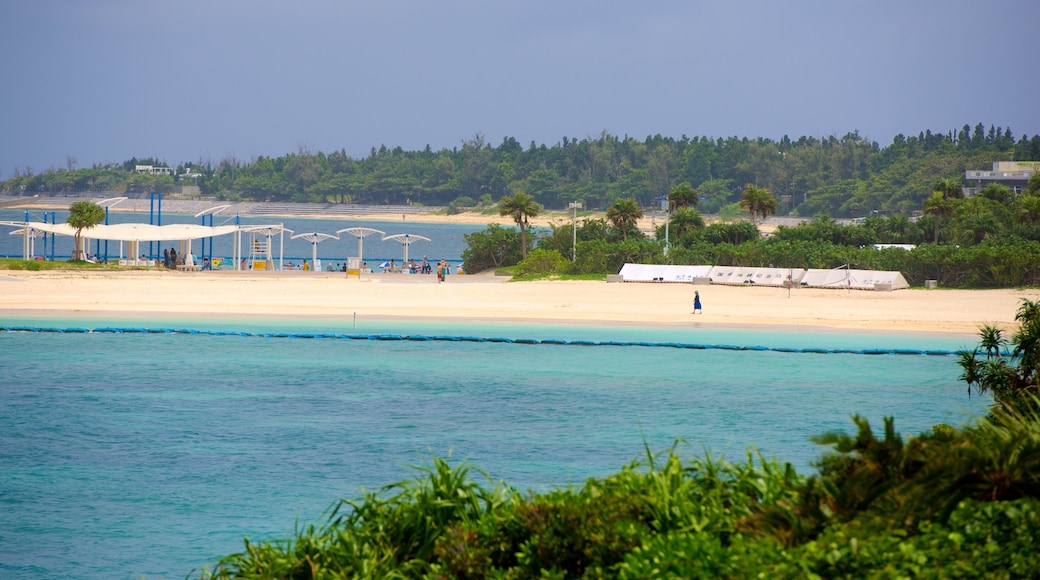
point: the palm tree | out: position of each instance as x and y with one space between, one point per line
520 207
683 195
83 215
686 220
1012 386
758 201
1027 209
938 206
624 214
950 188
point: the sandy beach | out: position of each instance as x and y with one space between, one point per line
140 294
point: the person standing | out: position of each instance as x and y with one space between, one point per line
697 302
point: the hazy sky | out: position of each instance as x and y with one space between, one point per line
102 81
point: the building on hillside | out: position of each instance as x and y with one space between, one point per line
153 170
1012 174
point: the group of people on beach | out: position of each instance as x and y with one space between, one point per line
424 267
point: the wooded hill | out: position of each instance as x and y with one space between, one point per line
848 176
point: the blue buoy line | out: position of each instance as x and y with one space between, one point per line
452 338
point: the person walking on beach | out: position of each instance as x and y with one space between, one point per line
697 302
442 268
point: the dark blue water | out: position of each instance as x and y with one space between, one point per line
128 455
446 240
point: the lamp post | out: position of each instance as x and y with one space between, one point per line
574 206
666 205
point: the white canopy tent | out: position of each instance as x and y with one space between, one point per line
662 273
845 278
133 234
738 275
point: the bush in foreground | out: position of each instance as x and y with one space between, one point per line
951 503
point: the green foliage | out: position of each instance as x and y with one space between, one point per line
758 201
842 176
623 215
520 207
1011 375
950 503
83 215
542 262
492 248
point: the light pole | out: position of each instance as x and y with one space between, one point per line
574 206
666 205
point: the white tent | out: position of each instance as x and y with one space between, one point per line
131 233
137 232
854 279
662 273
738 276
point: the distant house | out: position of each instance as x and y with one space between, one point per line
153 170
1012 174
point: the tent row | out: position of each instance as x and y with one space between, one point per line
777 277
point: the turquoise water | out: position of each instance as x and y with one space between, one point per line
129 455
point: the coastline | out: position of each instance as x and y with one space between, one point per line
329 297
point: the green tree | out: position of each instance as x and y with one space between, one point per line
492 248
949 188
938 206
1011 375
83 215
520 207
758 201
624 214
682 195
684 222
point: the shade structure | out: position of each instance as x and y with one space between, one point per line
134 232
406 240
361 233
315 238
131 233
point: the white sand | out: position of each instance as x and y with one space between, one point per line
141 294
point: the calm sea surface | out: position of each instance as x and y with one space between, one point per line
130 455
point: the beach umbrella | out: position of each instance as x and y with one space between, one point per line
315 238
385 265
360 234
406 240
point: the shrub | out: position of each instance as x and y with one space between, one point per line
539 262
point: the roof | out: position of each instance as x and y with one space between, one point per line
133 232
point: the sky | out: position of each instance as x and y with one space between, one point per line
90 82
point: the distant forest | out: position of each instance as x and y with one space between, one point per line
846 176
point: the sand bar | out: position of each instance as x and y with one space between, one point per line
141 294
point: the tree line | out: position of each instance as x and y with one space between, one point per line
847 176
988 240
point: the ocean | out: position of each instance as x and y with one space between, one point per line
152 454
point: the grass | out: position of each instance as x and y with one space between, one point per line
555 276
41 265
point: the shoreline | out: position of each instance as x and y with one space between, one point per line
419 214
332 298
